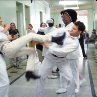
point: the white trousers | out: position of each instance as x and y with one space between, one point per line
4 91
73 64
31 57
46 68
75 71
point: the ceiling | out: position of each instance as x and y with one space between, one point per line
83 5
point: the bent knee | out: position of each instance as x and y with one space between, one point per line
8 51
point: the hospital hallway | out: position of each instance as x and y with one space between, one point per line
19 87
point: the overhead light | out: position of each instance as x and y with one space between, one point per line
68 2
71 7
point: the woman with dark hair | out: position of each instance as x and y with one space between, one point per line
13 31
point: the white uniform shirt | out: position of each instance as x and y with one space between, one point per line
70 44
47 30
78 53
3 38
3 73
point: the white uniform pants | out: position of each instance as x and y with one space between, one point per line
75 71
46 68
4 81
31 57
73 63
81 67
4 91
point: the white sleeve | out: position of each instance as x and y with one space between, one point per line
42 29
68 47
57 32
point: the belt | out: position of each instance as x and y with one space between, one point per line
57 56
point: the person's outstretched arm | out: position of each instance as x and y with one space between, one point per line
68 47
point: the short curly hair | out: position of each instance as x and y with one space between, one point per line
71 13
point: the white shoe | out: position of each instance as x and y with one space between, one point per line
61 90
82 81
76 91
52 77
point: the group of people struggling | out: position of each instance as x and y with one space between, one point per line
55 56
63 51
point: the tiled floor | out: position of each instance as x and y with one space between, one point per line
22 88
16 72
92 55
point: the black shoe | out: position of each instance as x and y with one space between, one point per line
31 75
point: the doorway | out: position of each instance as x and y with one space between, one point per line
41 17
27 15
19 13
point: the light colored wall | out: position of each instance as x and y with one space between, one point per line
35 13
90 20
8 12
57 18
95 15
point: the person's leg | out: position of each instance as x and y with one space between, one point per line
4 80
30 68
83 50
82 70
44 70
53 74
75 73
65 76
11 48
40 55
31 57
54 69
4 91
